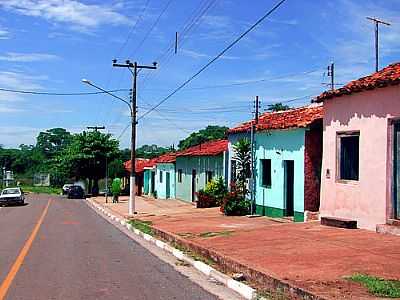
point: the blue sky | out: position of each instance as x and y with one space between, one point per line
50 45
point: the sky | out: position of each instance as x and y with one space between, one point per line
51 45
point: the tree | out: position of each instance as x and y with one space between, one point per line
150 151
52 141
116 168
203 135
243 157
278 107
85 156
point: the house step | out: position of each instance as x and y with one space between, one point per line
391 227
393 222
339 222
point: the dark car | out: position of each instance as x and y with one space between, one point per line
12 196
76 192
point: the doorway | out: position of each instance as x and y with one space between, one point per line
167 185
289 188
193 185
396 171
152 183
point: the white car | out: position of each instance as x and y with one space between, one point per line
65 188
12 196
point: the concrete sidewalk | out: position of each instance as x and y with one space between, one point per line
309 256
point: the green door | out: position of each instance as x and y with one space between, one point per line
167 187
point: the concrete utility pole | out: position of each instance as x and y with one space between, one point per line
253 130
377 22
135 68
331 74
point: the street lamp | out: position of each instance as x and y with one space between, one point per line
133 124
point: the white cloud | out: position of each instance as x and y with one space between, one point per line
4 34
17 80
27 57
79 16
199 55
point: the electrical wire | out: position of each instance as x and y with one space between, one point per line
60 94
164 58
133 28
151 28
215 58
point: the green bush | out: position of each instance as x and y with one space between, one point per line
213 194
234 204
205 200
216 188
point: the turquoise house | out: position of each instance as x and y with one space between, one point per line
197 165
288 156
164 176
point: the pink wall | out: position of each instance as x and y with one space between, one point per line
369 200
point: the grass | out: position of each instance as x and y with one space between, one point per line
378 286
143 226
192 254
42 189
267 295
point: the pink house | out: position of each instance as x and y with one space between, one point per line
361 151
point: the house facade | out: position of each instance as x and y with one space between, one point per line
287 159
165 176
197 165
140 164
361 167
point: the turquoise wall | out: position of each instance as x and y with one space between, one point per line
201 164
161 187
280 145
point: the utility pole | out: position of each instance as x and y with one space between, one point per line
96 128
331 74
377 22
128 64
252 134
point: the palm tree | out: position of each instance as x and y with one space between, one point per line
243 157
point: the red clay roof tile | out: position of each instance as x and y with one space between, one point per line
166 158
389 75
293 118
210 148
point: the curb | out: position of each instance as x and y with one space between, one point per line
243 289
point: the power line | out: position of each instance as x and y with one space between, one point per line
244 82
133 28
167 55
60 94
151 28
215 58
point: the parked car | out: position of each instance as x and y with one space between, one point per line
76 192
12 196
65 188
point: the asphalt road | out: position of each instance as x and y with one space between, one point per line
78 255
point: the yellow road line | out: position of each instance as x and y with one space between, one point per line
20 259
